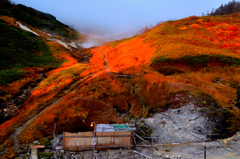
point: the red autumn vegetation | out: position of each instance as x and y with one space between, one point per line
47 91
93 98
9 20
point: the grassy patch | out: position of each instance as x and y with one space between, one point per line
44 141
198 61
196 36
42 96
45 155
232 124
20 49
144 131
169 70
64 76
2 148
114 43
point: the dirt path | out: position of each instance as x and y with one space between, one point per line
214 150
105 62
15 135
17 132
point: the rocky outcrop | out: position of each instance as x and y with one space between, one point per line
189 119
13 106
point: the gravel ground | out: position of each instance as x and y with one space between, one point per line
220 149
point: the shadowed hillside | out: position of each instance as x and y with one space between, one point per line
37 19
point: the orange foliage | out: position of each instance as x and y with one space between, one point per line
124 55
10 154
195 26
32 107
200 21
44 90
154 77
30 75
41 98
97 92
66 115
69 62
182 28
9 20
233 28
6 128
193 17
201 80
176 23
38 32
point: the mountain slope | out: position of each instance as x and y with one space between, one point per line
195 59
147 58
38 20
29 52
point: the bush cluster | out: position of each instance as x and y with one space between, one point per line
20 49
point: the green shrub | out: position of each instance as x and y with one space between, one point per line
201 110
20 49
44 141
169 70
199 60
44 155
184 99
147 131
2 148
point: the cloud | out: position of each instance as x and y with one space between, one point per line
99 35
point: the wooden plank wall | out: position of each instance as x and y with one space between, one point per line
72 143
114 141
76 141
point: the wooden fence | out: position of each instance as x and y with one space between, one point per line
103 140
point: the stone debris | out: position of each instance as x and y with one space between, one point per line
12 107
107 154
185 122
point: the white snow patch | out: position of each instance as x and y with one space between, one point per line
73 44
66 45
26 28
62 43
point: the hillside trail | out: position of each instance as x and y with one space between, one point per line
15 135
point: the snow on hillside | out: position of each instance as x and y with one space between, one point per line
65 44
26 28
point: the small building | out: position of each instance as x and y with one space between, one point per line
104 136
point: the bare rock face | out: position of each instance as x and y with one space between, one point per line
189 119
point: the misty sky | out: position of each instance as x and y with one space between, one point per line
119 16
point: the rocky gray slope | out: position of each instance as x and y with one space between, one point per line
187 122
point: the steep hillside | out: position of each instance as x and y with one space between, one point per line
28 51
38 20
193 60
